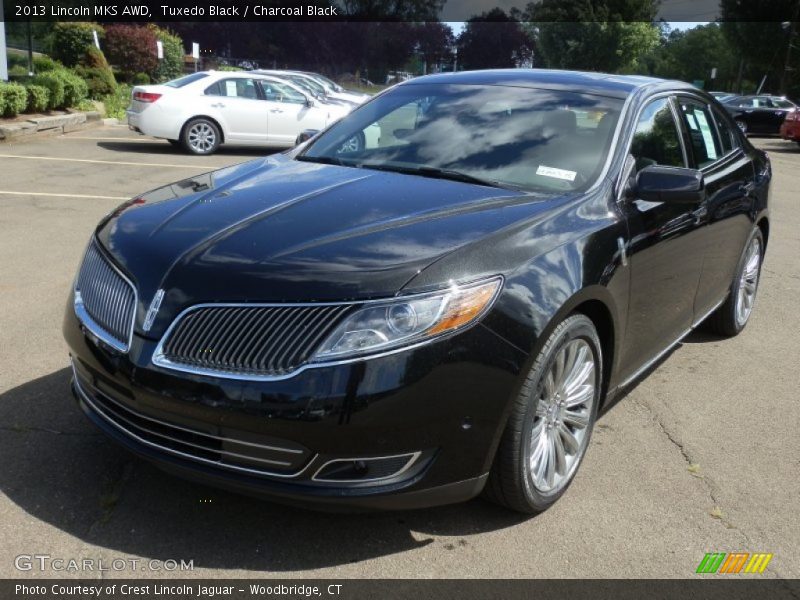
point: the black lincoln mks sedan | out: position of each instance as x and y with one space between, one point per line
431 299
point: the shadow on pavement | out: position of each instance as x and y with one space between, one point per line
145 146
60 470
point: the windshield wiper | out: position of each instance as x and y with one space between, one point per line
324 160
438 173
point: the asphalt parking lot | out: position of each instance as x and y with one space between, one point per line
702 456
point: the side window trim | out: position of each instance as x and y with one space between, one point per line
682 135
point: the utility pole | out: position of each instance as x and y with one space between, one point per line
786 67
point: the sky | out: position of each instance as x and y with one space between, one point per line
458 26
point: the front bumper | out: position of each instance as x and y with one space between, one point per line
445 403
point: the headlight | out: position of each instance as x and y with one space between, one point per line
380 326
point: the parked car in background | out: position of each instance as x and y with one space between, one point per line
325 86
309 85
444 312
722 96
759 114
790 129
337 91
203 110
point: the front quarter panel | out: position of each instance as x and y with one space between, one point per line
552 266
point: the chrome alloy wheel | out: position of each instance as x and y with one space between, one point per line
563 413
202 137
748 282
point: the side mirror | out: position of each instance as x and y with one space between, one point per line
305 135
674 185
309 102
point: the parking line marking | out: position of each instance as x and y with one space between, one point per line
107 162
63 195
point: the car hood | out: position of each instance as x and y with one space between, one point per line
280 230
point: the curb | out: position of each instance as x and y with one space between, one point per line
47 126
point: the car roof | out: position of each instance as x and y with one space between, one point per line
604 84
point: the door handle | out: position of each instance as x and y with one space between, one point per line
276 110
218 105
748 188
699 214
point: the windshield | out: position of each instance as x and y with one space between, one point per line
327 82
509 136
311 83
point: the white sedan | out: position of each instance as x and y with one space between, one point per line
205 109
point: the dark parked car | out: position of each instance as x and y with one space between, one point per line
759 114
439 311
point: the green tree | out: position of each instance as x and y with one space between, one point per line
605 35
691 55
171 66
755 30
494 40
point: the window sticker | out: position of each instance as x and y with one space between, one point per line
230 88
708 137
556 173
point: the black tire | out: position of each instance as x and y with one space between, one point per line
511 483
726 320
201 136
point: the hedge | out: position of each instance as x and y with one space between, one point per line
13 99
38 97
70 41
75 88
54 86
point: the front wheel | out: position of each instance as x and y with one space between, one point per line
201 136
730 318
551 421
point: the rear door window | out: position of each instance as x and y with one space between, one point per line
703 138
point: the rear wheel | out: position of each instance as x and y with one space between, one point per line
730 318
201 136
551 422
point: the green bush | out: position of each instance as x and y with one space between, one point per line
55 88
140 79
75 88
94 69
100 82
42 64
171 66
229 68
118 102
17 71
70 41
38 97
13 99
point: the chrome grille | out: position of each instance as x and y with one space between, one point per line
104 300
252 454
249 340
